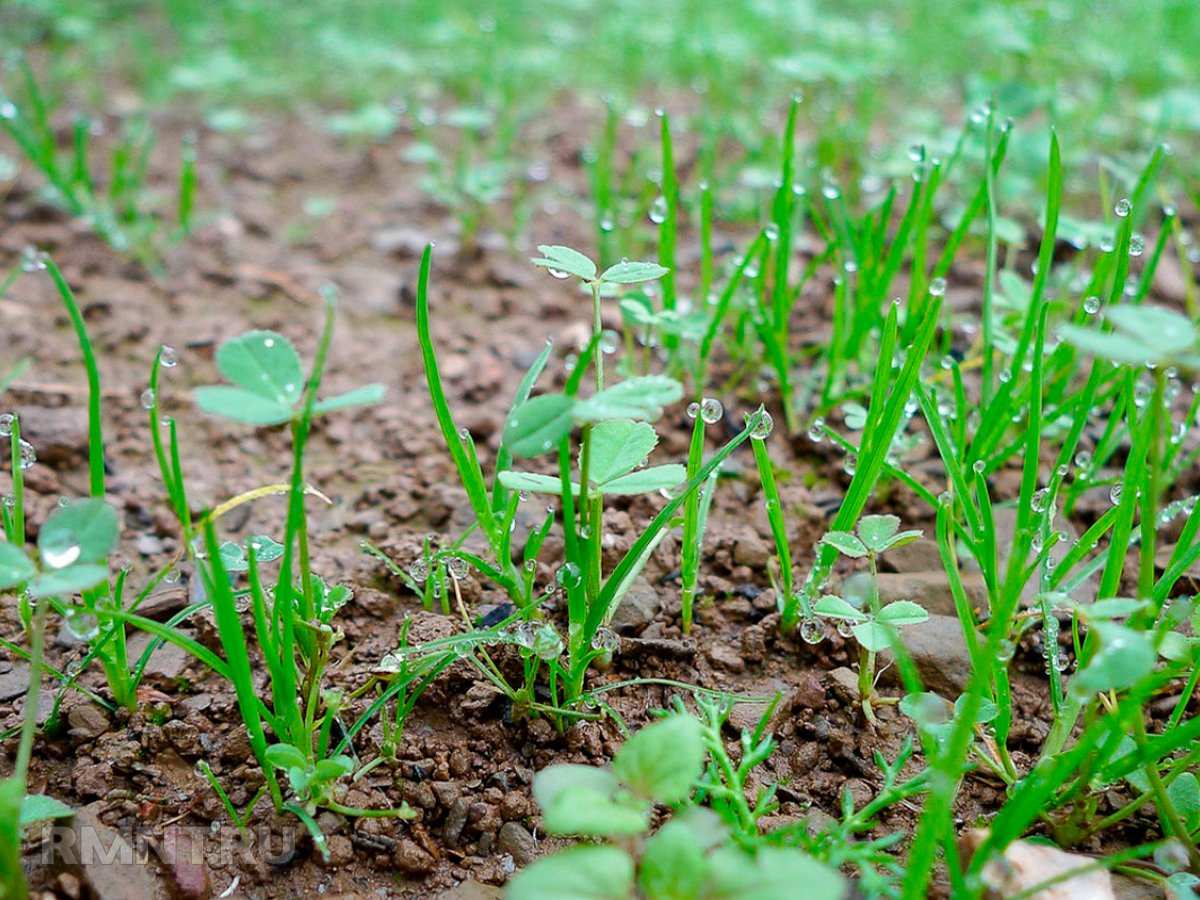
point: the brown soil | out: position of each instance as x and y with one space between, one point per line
466 766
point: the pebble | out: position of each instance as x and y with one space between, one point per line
638 608
412 859
939 653
516 841
725 657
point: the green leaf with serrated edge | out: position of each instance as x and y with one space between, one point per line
367 395
539 424
83 531
985 710
633 272
241 405
580 810
263 363
285 756
565 259
876 531
40 808
232 557
15 567
581 873
617 447
1110 608
772 873
1125 657
641 398
655 478
1175 646
538 484
1184 793
672 864
661 762
71 580
552 780
903 612
873 636
265 549
845 543
904 537
837 608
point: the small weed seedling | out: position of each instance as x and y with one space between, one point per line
694 856
873 626
615 439
116 208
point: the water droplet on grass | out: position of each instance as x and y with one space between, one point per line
937 287
419 571
148 398
693 410
1091 305
979 465
1137 245
763 428
711 410
1123 207
559 274
6 424
605 639
28 455
812 631
168 357
816 431
458 567
82 624
1114 493
658 210
771 232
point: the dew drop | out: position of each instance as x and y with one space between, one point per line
27 454
559 274
1123 208
1114 494
812 631
148 398
711 410
816 431
693 410
609 341
1091 305
6 424
457 567
168 357
419 571
658 210
763 428
606 640
82 624
937 287
771 232
979 465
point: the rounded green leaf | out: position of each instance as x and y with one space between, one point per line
264 363
40 807
672 864
874 637
539 424
581 873
845 543
641 398
242 405
15 567
285 756
619 446
876 531
71 580
644 481
1125 657
564 259
662 761
633 272
837 608
84 531
538 484
903 612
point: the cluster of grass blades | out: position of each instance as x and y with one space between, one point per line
1072 381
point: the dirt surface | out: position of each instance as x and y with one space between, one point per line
466 765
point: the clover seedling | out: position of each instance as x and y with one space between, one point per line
691 857
874 628
268 383
1140 335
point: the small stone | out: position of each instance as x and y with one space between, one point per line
412 859
14 679
844 683
931 589
91 779
919 556
341 850
516 841
1025 864
87 721
725 657
456 821
472 890
750 550
939 652
115 870
638 608
148 544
